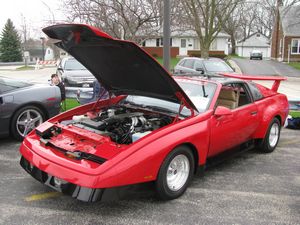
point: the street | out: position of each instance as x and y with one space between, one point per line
266 67
251 188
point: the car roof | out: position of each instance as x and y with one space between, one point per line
203 59
208 78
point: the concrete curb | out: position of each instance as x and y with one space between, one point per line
235 66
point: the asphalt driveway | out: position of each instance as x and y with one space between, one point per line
251 188
266 67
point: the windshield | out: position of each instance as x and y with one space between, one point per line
216 66
73 64
7 84
200 94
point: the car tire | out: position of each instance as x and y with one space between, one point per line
175 174
24 120
271 139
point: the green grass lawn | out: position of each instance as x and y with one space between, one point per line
295 113
173 62
234 56
25 68
296 65
71 103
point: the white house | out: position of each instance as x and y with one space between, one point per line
256 41
188 40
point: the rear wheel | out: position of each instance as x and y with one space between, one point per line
271 139
25 120
175 173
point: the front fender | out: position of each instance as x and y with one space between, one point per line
143 165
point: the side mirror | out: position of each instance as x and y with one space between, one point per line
60 69
201 70
222 111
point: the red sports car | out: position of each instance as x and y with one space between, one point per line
153 128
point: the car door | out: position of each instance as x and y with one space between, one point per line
231 130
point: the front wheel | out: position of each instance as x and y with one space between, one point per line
175 173
271 139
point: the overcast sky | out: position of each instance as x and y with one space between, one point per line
37 13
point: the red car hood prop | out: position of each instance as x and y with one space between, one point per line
120 66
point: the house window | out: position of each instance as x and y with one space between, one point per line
295 46
161 42
144 43
171 42
157 42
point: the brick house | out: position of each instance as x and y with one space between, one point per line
285 45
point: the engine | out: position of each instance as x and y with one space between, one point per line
121 124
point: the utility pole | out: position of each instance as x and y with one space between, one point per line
43 47
166 35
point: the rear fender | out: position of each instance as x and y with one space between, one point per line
271 108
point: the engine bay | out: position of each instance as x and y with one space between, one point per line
122 124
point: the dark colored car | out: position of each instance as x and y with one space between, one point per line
256 54
74 74
198 66
24 106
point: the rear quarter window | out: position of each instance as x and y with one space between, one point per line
255 91
189 63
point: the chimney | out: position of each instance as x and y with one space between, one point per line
275 35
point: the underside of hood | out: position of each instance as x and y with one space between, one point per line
120 66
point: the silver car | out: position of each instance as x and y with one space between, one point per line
74 74
256 54
198 66
24 106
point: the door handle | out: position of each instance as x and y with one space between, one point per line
253 113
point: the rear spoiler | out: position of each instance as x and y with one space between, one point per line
276 79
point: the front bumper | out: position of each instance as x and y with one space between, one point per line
81 193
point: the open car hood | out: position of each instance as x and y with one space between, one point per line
120 66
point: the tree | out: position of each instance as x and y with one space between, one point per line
123 19
10 44
207 18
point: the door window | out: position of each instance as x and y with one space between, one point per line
233 95
183 43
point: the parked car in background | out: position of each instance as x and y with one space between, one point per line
98 93
74 74
24 106
256 54
198 66
153 128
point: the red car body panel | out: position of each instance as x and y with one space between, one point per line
206 134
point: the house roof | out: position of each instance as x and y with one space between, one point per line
290 19
192 33
255 40
179 32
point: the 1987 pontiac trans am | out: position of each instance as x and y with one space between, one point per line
153 128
